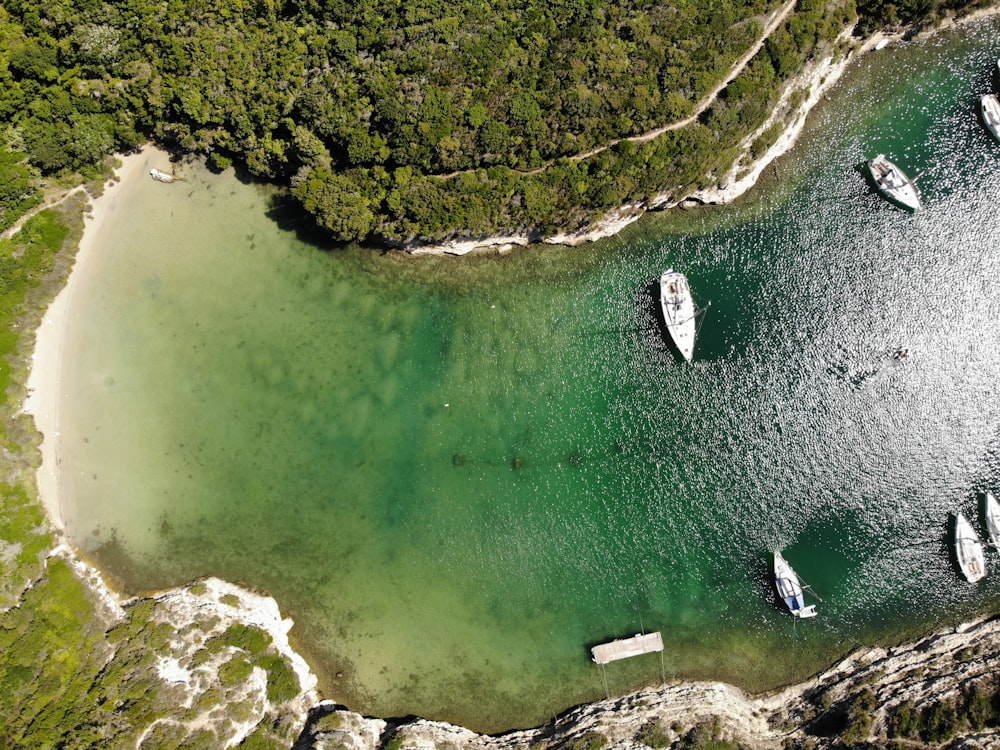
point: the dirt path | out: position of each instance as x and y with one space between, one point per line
776 20
49 202
706 101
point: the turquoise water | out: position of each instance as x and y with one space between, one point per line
457 475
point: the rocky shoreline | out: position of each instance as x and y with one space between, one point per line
858 701
945 686
814 81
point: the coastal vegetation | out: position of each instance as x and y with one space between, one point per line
73 672
397 122
976 709
420 121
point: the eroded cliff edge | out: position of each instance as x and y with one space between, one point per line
939 691
219 659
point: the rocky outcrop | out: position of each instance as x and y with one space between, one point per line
939 689
211 659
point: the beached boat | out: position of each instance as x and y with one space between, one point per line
790 588
991 517
989 107
969 550
678 311
893 183
159 176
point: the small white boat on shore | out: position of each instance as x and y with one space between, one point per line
989 107
969 550
893 183
991 517
790 588
159 176
678 311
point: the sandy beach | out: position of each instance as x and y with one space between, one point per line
45 394
210 599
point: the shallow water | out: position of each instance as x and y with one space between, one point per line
456 475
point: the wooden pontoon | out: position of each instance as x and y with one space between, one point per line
624 648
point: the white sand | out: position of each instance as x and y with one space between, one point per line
45 392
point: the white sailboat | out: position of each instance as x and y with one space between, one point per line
678 311
991 515
790 588
969 550
990 107
893 183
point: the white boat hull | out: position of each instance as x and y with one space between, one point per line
991 515
790 589
969 550
989 107
159 176
893 183
678 311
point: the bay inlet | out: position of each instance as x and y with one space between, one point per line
457 475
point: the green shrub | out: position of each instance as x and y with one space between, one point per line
210 699
589 740
261 740
157 637
939 721
248 637
282 682
905 721
706 735
236 671
653 734
328 722
859 717
230 600
981 705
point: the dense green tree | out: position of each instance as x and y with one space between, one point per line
18 187
337 202
35 59
326 95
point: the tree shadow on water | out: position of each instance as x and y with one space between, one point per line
290 216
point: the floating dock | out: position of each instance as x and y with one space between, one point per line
624 648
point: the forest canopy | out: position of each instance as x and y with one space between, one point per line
395 121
